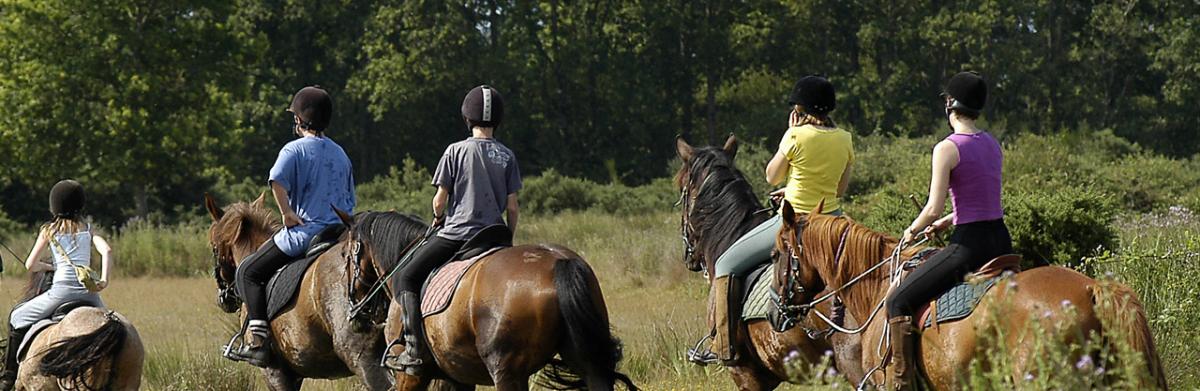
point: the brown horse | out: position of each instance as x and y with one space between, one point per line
511 313
719 206
91 348
314 337
1042 295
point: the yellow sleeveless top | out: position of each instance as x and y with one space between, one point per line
817 157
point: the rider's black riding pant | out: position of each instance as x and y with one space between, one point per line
434 253
971 246
253 274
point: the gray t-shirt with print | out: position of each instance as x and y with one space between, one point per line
480 174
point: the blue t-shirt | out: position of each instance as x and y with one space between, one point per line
481 174
316 173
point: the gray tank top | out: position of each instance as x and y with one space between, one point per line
78 247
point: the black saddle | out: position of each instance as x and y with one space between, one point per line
282 288
66 308
492 236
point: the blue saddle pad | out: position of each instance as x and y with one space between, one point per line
960 301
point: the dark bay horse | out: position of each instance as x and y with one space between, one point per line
314 337
1060 299
513 311
90 349
719 206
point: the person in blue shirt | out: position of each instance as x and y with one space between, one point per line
311 176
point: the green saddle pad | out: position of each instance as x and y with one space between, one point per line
759 299
960 301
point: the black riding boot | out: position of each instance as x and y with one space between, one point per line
257 349
8 378
415 354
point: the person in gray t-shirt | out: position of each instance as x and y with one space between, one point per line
477 181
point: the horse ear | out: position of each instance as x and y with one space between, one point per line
260 201
213 210
683 149
731 145
345 217
788 215
818 209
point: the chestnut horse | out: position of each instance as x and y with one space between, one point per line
719 206
511 313
313 337
1042 295
90 349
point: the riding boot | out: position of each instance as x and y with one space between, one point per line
901 372
257 350
728 315
412 360
8 378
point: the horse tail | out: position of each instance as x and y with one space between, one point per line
74 359
590 344
1119 309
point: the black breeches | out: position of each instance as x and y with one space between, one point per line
971 246
436 252
253 274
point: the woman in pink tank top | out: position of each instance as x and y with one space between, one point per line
968 166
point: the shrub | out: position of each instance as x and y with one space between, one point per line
553 193
1061 226
406 189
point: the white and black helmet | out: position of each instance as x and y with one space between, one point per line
483 106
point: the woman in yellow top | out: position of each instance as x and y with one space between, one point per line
814 157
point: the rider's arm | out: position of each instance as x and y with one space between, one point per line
845 181
945 157
32 263
439 202
513 209
105 256
777 168
290 218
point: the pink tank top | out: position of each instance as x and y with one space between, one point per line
975 181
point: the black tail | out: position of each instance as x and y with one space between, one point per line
589 340
72 360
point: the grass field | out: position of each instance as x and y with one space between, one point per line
655 304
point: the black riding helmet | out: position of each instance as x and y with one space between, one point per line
815 93
968 92
314 107
483 106
66 199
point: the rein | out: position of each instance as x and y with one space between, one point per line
685 223
356 308
226 290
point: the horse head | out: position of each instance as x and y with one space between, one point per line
377 242
237 231
692 180
796 256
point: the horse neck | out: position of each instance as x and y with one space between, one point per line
714 243
863 296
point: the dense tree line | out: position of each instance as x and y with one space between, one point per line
151 102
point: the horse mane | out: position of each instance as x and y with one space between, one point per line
239 216
863 249
725 207
33 286
388 235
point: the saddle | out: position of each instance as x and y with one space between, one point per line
283 286
961 300
55 317
440 285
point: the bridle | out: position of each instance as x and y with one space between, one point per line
687 230
354 259
790 314
226 290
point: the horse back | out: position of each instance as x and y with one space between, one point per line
124 370
505 304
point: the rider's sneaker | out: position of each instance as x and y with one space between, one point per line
702 357
256 356
404 362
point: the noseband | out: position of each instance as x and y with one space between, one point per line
790 313
226 290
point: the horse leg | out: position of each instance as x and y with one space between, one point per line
361 353
753 377
282 379
506 381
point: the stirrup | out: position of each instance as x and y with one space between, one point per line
403 362
700 356
238 350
